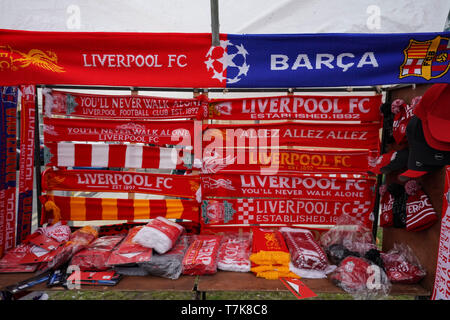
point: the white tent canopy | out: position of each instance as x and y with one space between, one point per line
236 16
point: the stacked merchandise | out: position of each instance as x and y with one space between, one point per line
201 256
360 270
270 256
36 250
170 264
127 255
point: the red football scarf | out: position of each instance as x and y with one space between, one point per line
283 161
201 256
336 135
26 163
306 186
151 132
337 108
386 205
8 116
119 107
87 209
67 154
420 213
184 186
283 211
441 284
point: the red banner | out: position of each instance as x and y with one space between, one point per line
351 187
283 211
185 186
119 107
89 209
106 58
267 161
336 108
331 135
151 132
26 163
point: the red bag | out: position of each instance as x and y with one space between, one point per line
201 256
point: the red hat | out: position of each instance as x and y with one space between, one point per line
434 111
400 122
420 214
386 205
422 157
390 161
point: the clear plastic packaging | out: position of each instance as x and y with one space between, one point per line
361 278
305 252
160 234
234 252
170 264
201 256
402 266
79 240
128 252
349 237
95 256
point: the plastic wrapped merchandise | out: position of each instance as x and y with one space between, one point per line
78 240
361 278
402 266
170 264
201 256
348 237
270 256
95 256
308 259
127 254
160 234
234 252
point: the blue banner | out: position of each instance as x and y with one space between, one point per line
329 60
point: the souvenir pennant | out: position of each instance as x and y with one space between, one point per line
187 60
331 135
8 111
88 209
120 107
251 211
335 108
302 186
267 161
68 154
298 288
185 186
26 163
149 132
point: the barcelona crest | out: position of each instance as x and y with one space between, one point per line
427 59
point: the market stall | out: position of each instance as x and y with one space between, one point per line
233 193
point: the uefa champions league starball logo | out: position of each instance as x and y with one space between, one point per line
227 62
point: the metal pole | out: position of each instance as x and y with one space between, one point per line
215 23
